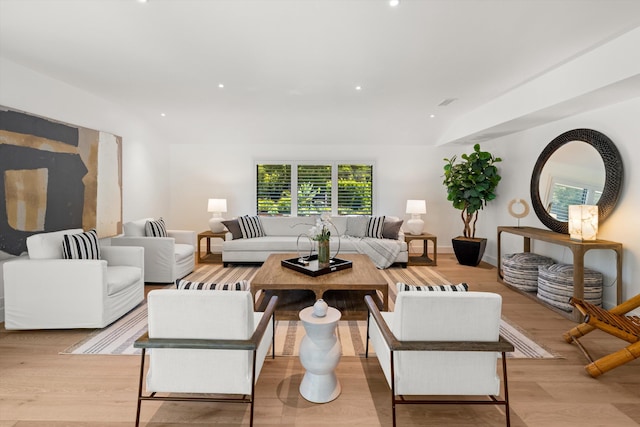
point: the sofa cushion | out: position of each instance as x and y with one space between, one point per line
81 245
241 285
375 224
357 225
287 226
460 287
120 277
250 226
155 228
48 245
234 228
391 229
340 223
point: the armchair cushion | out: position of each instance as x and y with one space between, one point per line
460 287
155 228
242 285
48 245
81 245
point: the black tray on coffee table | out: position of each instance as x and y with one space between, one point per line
309 265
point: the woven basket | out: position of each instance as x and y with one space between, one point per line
520 270
555 285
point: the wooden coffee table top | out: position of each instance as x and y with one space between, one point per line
363 275
273 275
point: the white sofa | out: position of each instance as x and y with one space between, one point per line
45 291
165 258
281 236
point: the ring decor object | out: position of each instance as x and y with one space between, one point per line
525 209
305 259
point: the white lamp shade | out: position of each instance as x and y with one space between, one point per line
416 207
217 205
583 222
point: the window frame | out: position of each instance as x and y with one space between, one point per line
334 181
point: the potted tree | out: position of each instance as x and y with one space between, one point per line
471 183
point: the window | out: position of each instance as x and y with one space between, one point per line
343 189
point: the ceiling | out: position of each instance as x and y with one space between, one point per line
290 67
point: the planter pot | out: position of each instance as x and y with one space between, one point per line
469 251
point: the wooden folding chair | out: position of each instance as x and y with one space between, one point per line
614 322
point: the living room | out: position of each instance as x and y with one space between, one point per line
172 165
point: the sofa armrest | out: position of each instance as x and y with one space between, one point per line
132 256
153 246
186 237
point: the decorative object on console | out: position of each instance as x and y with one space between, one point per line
217 206
518 215
416 208
471 183
320 308
583 222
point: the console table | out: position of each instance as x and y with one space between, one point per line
578 249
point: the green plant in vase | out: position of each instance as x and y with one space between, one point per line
322 234
471 183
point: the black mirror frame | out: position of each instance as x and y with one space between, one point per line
614 173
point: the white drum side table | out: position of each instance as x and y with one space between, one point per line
320 352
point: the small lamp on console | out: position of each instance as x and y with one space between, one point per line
583 222
217 206
416 208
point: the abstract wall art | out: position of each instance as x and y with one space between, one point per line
55 176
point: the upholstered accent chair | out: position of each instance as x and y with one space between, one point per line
46 291
165 258
440 344
204 342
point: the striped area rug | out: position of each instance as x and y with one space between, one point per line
118 338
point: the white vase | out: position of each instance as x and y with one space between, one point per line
320 308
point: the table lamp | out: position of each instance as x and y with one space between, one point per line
217 206
416 208
583 222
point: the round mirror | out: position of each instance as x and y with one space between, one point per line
581 166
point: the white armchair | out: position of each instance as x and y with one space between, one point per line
440 343
165 258
208 342
45 291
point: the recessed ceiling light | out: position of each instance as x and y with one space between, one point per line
432 116
358 87
394 3
163 115
142 1
220 85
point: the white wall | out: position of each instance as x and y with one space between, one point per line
145 157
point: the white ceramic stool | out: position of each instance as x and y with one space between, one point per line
320 352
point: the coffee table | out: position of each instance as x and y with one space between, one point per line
363 276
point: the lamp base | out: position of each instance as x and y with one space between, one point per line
415 226
216 225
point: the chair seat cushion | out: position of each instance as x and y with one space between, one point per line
183 251
241 285
460 287
120 277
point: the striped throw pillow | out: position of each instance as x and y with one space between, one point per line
242 285
460 287
250 226
81 246
155 228
375 226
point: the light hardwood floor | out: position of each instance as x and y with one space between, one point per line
39 387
